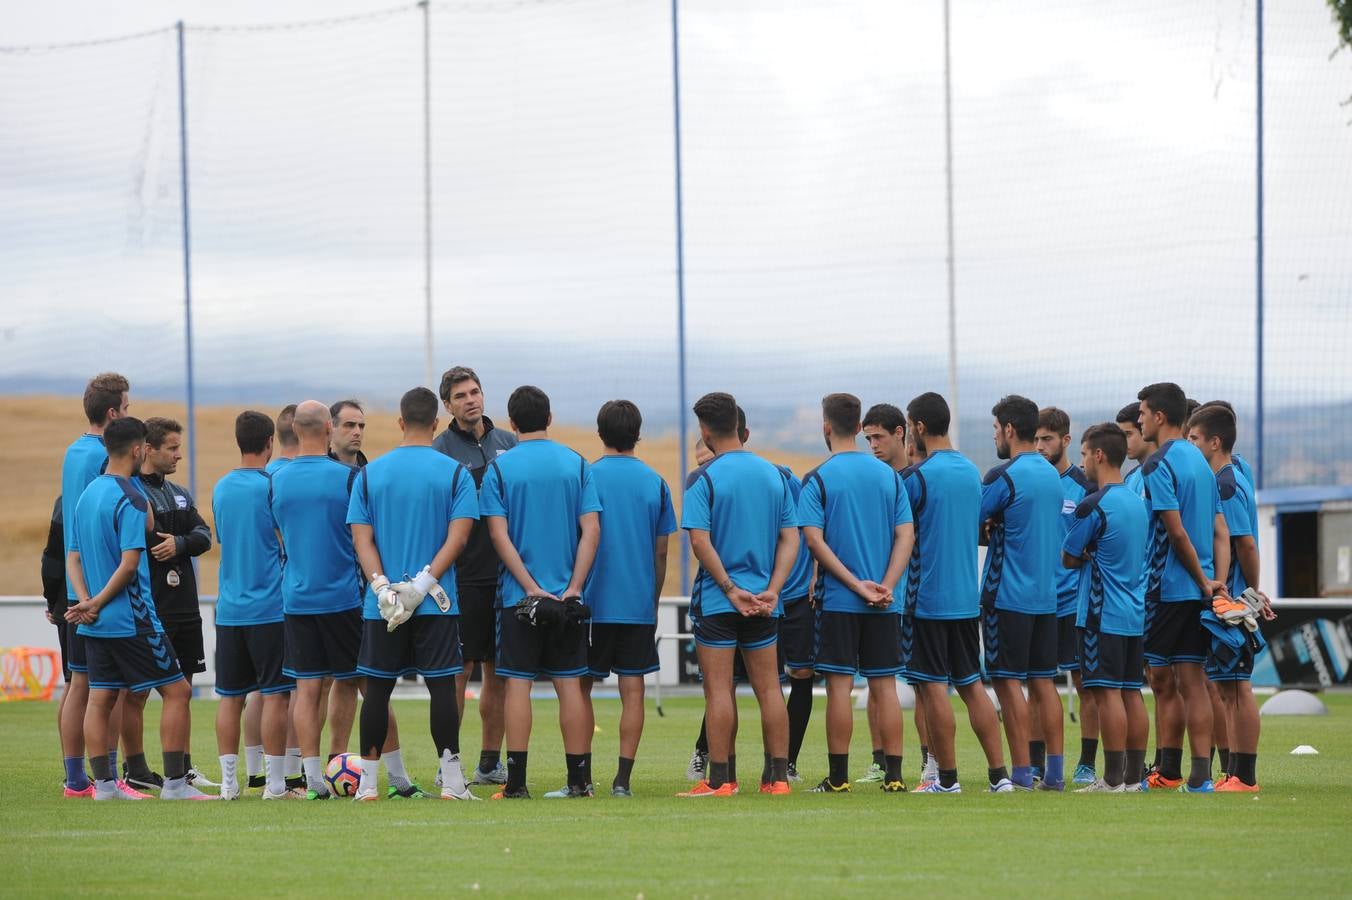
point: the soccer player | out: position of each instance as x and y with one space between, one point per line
1212 429
474 441
125 645
857 522
105 400
544 520
250 626
1021 511
1107 540
1138 448
286 445
349 427
743 530
885 432
321 591
1188 544
941 638
797 645
1053 442
180 536
626 579
412 511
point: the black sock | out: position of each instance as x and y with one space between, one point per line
949 777
1201 771
924 756
1158 757
717 774
489 759
800 713
373 720
1245 767
1133 768
1224 755
879 757
779 769
1088 751
187 761
702 742
102 767
994 776
1171 762
765 770
732 767
626 768
444 712
516 770
137 766
1037 754
173 765
1114 764
893 766
839 768
579 769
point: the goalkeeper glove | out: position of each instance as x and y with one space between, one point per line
424 585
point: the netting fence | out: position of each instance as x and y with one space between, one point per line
1104 208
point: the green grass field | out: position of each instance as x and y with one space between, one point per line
1290 840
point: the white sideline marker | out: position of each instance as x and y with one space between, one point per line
1304 750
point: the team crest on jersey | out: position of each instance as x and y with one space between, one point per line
1068 507
182 502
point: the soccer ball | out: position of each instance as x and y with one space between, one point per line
343 774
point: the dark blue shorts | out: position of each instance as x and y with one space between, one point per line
1067 643
1174 633
323 645
250 658
136 664
623 648
1019 645
867 644
529 651
940 651
1110 660
426 645
729 630
1224 663
798 635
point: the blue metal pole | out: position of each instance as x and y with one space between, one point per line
680 277
1258 445
187 259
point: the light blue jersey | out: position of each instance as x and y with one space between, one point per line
1075 486
309 504
1111 525
1177 477
1022 501
276 464
110 519
944 490
622 587
250 585
1241 517
84 461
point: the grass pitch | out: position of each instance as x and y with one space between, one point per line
1290 840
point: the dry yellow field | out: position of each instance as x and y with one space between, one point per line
41 428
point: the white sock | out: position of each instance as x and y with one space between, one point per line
292 762
452 775
370 775
314 774
394 767
253 760
229 773
276 774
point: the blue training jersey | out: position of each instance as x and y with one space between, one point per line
1111 525
1177 477
84 461
857 500
309 505
276 463
250 574
799 583
1075 486
1022 501
1135 482
541 488
622 587
409 497
110 519
1241 517
944 491
742 501
1245 469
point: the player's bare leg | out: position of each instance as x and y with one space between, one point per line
342 712
1014 712
517 722
1244 733
1138 735
1197 707
1052 721
492 692
1170 721
762 669
720 711
1220 724
174 730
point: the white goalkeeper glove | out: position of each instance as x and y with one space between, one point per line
424 585
390 603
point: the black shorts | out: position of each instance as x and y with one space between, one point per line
798 635
186 639
622 649
136 664
867 644
250 658
63 631
1110 660
323 645
529 651
729 630
1067 643
1174 633
942 650
1019 645
478 622
1224 663
426 645
73 652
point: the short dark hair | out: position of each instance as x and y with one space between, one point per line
1055 420
931 410
1224 404
885 416
158 428
1020 412
618 422
252 430
841 411
286 434
717 411
419 406
741 420
1107 437
1215 421
104 392
1192 406
123 434
1167 398
341 405
1130 415
528 408
453 376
